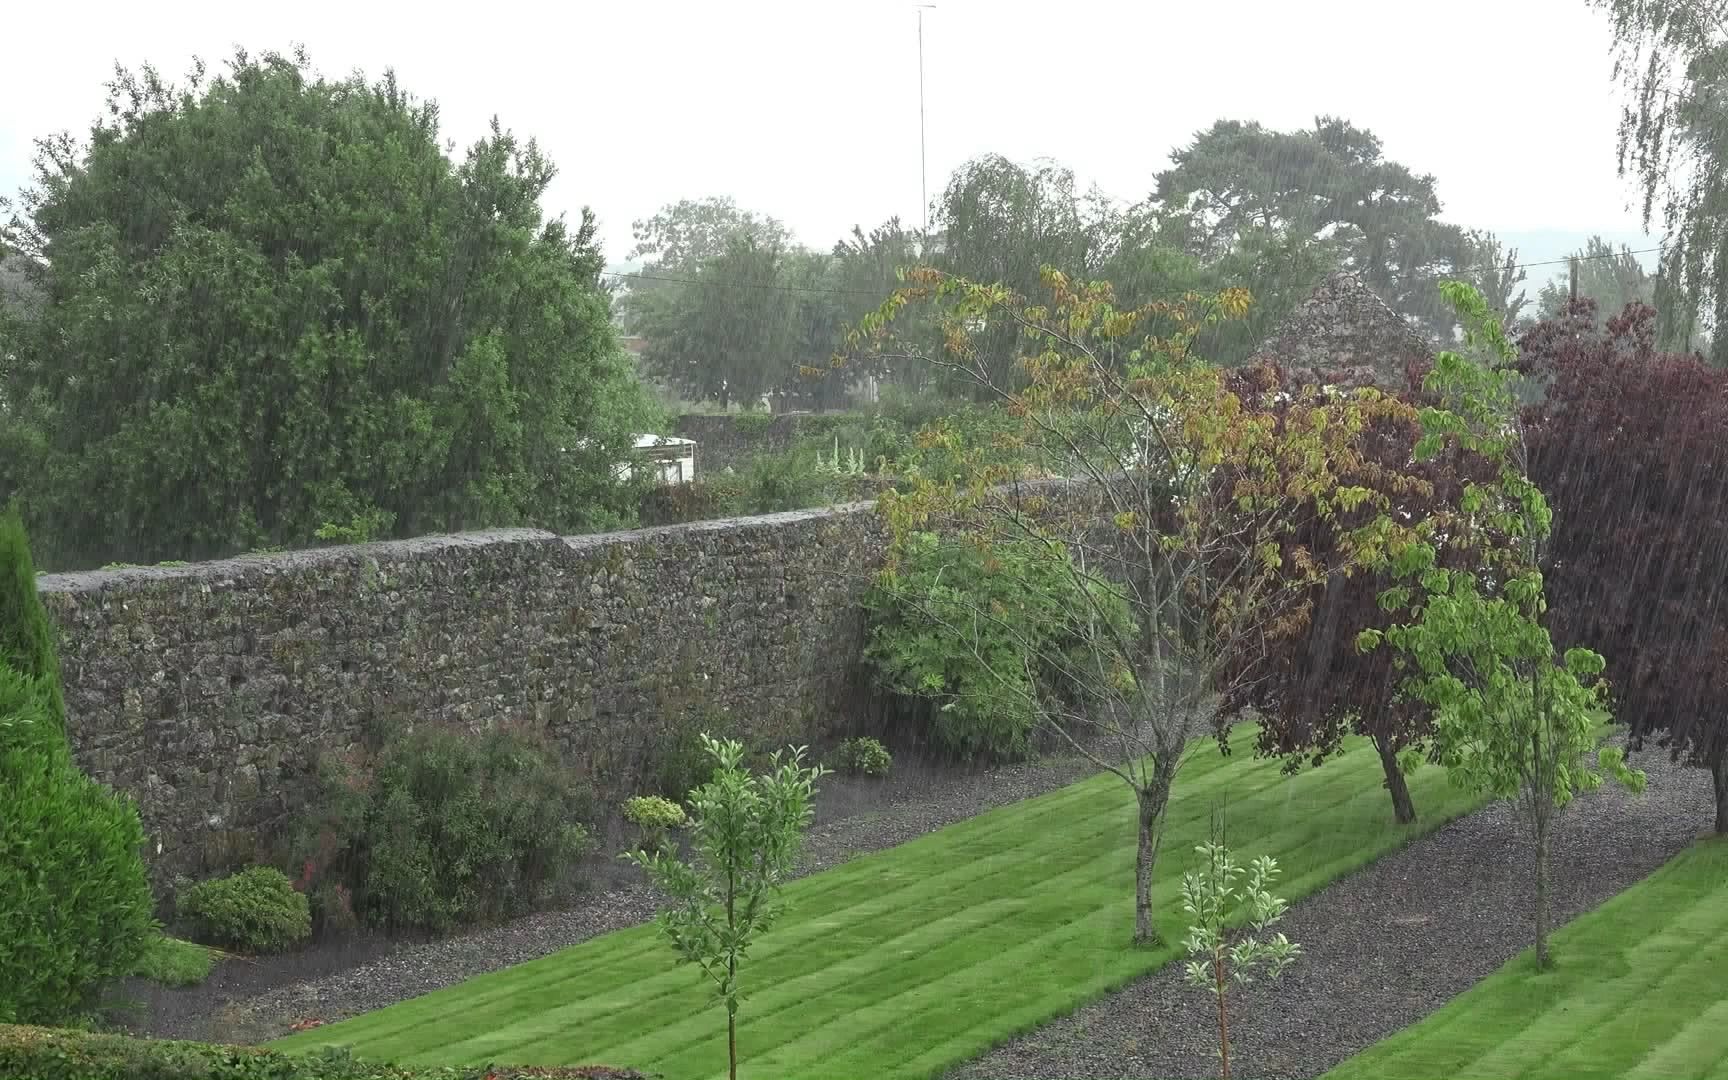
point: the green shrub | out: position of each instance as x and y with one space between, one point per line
332 908
75 907
653 812
985 633
772 483
439 829
31 1053
27 639
863 756
257 910
955 446
654 816
683 765
674 504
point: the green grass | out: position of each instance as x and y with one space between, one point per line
910 960
1638 990
173 962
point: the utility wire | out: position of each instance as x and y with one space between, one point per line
1585 258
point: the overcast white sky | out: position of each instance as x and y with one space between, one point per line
808 109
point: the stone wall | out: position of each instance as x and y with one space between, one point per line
205 691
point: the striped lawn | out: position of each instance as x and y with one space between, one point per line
1639 990
907 961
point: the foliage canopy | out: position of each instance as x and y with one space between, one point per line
272 303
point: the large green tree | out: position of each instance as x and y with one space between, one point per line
681 235
742 323
1326 195
273 302
1000 221
747 312
1672 61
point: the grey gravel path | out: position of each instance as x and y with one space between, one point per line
241 1003
1383 947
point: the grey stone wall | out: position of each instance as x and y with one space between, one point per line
205 691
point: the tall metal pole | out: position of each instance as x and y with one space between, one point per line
923 155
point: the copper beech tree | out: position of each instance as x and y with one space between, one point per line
1632 445
1174 495
1628 441
1310 686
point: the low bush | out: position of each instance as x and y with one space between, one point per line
653 812
654 816
332 903
438 829
863 756
257 910
982 633
955 445
683 764
675 504
771 483
32 1053
75 906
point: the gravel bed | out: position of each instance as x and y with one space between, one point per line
254 1000
1383 947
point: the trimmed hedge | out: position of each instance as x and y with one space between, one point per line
26 636
75 906
33 1053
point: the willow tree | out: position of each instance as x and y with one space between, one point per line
1671 58
1176 499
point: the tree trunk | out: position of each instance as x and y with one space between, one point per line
731 1045
1152 800
1403 809
1542 959
1222 989
1719 776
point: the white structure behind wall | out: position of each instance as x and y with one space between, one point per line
670 459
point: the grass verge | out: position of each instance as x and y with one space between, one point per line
907 961
1638 990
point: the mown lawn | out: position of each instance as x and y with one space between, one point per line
910 960
1639 991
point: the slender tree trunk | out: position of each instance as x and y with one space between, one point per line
1223 993
1152 800
1541 817
1403 809
1719 776
732 978
731 1045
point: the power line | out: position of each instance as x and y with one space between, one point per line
1585 258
